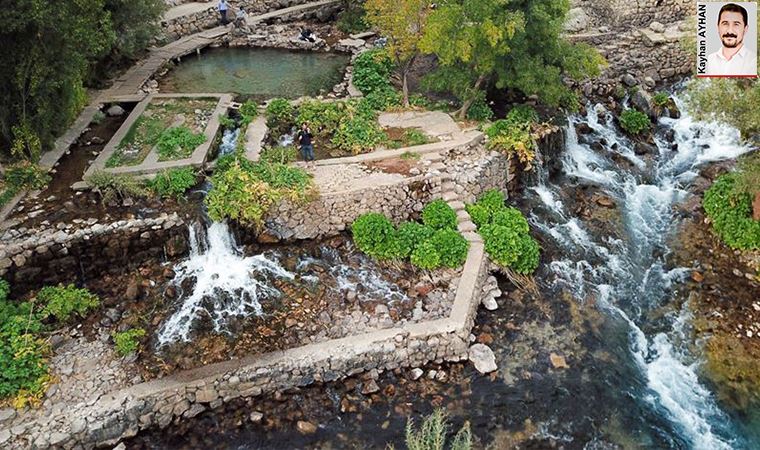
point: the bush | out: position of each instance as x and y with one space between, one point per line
352 19
22 176
426 256
414 137
382 99
279 114
660 99
127 342
244 191
432 434
730 211
178 143
451 246
439 215
522 114
512 138
479 110
376 236
634 121
281 155
98 117
62 302
411 235
372 71
323 117
506 233
359 134
173 183
248 110
113 187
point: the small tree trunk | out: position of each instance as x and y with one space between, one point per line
756 207
461 114
405 89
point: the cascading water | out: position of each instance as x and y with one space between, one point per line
226 284
229 141
628 276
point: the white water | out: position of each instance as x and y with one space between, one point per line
626 276
229 142
227 284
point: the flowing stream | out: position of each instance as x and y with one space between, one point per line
628 276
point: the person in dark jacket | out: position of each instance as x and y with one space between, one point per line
304 140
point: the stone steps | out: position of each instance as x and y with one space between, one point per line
457 205
450 196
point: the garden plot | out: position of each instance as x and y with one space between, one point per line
164 131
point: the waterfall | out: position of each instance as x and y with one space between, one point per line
226 283
229 141
627 276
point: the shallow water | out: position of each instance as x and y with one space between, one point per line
257 73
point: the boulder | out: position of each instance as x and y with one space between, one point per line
482 358
306 427
629 80
577 20
642 148
643 103
657 27
115 111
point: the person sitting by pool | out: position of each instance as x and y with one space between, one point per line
304 140
241 18
307 35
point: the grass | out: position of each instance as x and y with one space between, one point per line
159 116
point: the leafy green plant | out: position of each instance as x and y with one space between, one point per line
249 110
730 212
439 215
506 233
414 137
352 19
451 246
244 190
21 176
660 99
426 256
127 342
522 114
479 110
174 182
634 121
98 117
372 71
359 134
512 138
116 187
227 122
323 117
410 156
64 301
411 235
432 435
376 236
382 99
279 154
279 114
178 143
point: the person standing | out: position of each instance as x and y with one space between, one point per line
241 18
304 140
223 6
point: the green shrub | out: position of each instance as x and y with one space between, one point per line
501 243
411 235
479 214
62 302
479 110
512 138
492 200
634 121
248 111
227 122
451 246
127 342
439 215
244 191
426 256
323 117
433 433
113 187
22 176
382 99
279 154
660 99
98 117
174 182
359 134
414 137
522 114
376 236
511 218
410 156
5 289
279 114
372 71
528 254
178 143
352 19
730 211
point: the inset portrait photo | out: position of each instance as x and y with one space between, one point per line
727 39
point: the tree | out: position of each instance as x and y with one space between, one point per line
402 23
469 37
47 47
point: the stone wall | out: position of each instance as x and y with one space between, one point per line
208 18
67 253
110 418
626 13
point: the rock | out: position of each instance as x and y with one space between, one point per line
416 373
256 417
423 289
176 246
485 338
266 237
657 27
306 427
649 82
603 200
577 20
121 446
643 103
370 387
629 80
583 128
7 414
133 290
698 277
558 361
206 396
483 358
115 111
97 140
642 148
489 303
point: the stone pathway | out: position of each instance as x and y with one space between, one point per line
348 177
187 9
254 137
435 124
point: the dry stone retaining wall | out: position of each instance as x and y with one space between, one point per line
62 253
625 13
